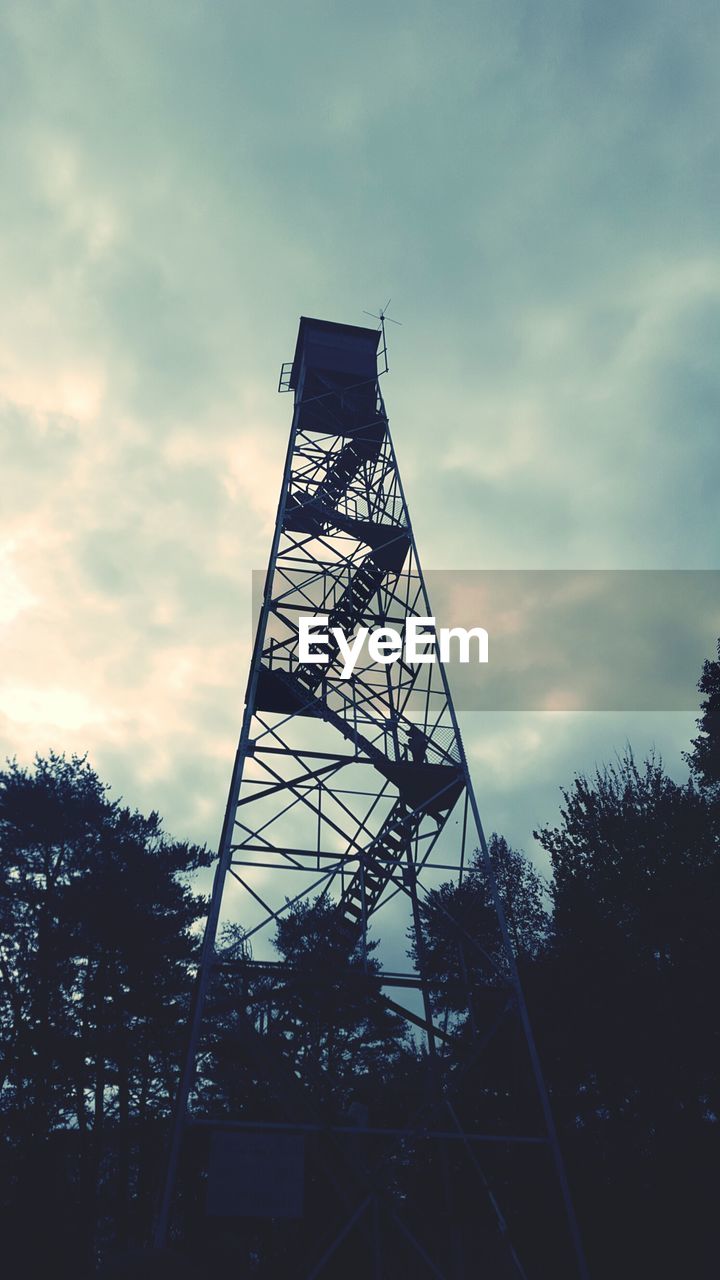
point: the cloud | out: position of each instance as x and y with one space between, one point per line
534 187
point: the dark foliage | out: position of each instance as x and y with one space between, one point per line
704 759
96 947
619 960
630 1029
462 941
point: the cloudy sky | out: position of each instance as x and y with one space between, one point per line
536 186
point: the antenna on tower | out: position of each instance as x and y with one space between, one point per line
382 316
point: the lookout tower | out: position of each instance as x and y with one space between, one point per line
352 798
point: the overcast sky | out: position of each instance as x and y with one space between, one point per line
536 186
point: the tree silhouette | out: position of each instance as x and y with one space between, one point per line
630 1027
704 759
329 1008
462 944
95 947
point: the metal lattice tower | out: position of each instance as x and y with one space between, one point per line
358 790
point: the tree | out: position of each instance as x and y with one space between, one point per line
704 759
329 1008
635 867
462 940
630 1031
96 946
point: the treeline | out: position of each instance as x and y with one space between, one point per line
99 929
96 947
